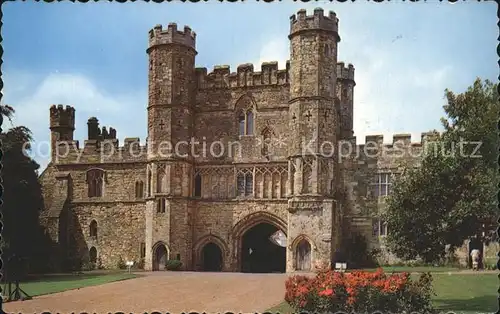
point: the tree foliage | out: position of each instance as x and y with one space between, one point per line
452 196
22 199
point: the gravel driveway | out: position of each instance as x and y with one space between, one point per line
173 292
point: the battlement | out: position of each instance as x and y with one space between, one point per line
345 73
158 36
100 151
61 116
222 77
398 140
301 22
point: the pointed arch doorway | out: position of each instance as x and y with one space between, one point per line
212 257
160 256
303 256
256 252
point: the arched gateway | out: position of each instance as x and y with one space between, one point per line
256 253
160 256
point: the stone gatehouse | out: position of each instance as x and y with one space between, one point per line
230 158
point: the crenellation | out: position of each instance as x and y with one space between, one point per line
61 116
222 77
345 73
405 139
158 36
318 21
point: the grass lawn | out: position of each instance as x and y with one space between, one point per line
51 283
459 293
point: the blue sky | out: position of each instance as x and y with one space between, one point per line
92 56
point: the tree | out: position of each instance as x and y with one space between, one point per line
22 197
452 196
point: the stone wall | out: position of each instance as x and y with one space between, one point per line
120 231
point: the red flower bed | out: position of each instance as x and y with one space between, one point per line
360 292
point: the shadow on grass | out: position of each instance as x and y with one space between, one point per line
66 276
483 304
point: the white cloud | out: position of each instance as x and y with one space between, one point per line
32 103
276 49
392 95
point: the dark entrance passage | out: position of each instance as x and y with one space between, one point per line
160 256
212 257
259 254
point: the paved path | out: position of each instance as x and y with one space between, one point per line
173 292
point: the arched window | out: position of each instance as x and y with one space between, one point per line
95 182
93 229
249 123
241 123
197 185
139 189
160 206
160 183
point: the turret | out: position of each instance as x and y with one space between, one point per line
62 125
314 126
345 94
171 84
313 40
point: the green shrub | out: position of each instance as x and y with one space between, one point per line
121 263
173 264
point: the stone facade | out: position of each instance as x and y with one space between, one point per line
268 152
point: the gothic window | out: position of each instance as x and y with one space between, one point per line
241 122
197 185
382 185
241 184
93 229
160 206
249 126
248 184
95 182
150 182
244 184
139 189
161 183
246 122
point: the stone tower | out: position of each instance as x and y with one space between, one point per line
314 125
170 110
345 93
62 126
